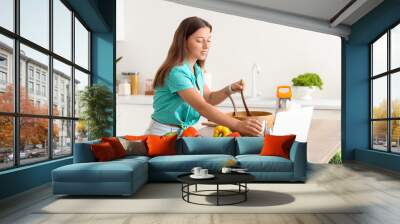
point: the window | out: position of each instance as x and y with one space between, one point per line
81 81
3 61
30 88
43 77
55 126
3 82
38 89
3 78
62 130
385 94
3 72
62 74
34 21
6 143
37 74
30 73
44 91
7 14
6 73
62 29
81 45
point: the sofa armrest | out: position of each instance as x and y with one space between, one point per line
298 155
83 152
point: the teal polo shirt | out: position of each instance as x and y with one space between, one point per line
169 107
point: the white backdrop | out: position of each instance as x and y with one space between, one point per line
281 52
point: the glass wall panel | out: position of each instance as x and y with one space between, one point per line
62 138
395 95
81 82
379 135
7 14
62 89
379 98
81 131
34 21
81 45
34 80
6 142
395 136
395 47
6 74
33 140
379 56
62 29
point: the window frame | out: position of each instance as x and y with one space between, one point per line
388 74
15 72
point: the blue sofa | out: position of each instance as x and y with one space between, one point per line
125 176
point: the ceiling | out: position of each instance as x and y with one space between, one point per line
327 16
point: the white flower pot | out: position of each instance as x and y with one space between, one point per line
303 92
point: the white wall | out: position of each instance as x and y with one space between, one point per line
281 52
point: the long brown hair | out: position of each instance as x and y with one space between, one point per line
176 51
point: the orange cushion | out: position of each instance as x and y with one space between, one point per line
161 145
103 151
136 137
116 145
277 145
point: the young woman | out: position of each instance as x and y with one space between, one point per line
181 96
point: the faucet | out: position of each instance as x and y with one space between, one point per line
255 70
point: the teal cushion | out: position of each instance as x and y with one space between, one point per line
249 145
83 152
111 171
207 145
185 163
133 158
257 163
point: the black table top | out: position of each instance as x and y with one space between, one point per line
220 178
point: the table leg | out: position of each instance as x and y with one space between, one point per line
217 194
188 189
182 188
196 188
245 193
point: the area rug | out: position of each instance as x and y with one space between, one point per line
167 198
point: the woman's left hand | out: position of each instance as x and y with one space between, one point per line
238 86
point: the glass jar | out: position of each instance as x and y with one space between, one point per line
124 86
134 77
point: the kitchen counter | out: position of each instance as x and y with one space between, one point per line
259 102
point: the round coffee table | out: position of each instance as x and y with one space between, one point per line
238 179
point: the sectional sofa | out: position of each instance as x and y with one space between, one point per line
125 176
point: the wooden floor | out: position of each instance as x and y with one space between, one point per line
378 188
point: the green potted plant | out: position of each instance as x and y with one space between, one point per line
96 102
305 84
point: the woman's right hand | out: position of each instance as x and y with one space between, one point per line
251 127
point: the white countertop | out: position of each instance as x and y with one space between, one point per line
259 102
